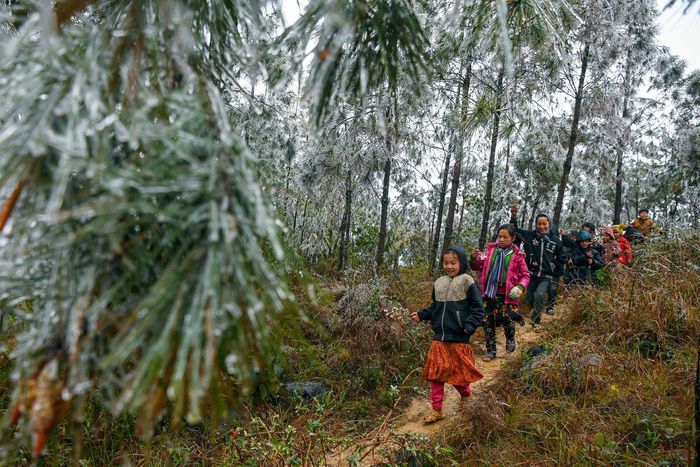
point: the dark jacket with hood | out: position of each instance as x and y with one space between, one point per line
457 308
581 270
545 256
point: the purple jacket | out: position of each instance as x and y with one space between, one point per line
517 270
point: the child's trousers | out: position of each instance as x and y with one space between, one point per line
496 314
437 393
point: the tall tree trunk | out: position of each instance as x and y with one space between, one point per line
488 196
345 225
381 243
507 157
461 218
627 90
463 106
431 256
533 213
456 174
441 207
391 130
303 219
572 136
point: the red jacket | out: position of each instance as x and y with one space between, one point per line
626 255
517 270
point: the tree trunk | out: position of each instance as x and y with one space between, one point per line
533 213
345 225
440 208
463 105
461 218
488 196
303 219
572 136
381 243
507 157
391 130
449 222
431 257
627 90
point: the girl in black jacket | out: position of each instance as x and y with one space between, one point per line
457 310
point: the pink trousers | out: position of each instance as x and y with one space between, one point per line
437 393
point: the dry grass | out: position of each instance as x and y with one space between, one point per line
616 383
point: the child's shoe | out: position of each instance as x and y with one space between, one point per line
433 417
549 311
488 356
466 392
510 345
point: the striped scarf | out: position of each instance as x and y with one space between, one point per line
498 266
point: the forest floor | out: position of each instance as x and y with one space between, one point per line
372 449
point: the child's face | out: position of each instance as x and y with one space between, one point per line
585 244
542 225
450 263
504 240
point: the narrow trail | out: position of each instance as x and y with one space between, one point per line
370 450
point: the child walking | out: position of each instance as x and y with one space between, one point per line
455 314
625 247
504 277
586 260
611 249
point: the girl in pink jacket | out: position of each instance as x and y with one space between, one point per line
504 277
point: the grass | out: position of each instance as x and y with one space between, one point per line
615 385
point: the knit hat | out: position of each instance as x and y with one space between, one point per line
619 228
583 235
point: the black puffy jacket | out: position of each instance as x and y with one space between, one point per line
457 308
581 270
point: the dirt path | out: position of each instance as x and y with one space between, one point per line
369 450
411 421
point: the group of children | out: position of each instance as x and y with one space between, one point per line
516 261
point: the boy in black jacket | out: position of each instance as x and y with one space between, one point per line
545 259
586 260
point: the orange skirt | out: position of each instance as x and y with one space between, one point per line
451 362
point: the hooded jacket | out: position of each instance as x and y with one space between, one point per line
516 274
611 248
544 253
457 309
581 270
626 249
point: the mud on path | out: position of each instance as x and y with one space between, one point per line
369 450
